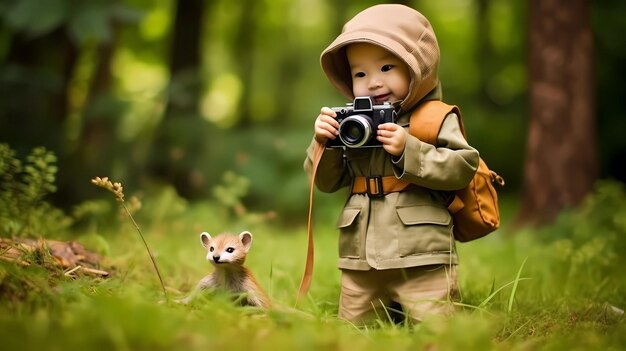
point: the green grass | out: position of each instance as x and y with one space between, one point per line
544 289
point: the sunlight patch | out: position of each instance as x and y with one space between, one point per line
219 104
156 23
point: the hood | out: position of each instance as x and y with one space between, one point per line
398 29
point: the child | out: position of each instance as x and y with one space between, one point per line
397 247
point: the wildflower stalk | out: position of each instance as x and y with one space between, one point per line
117 189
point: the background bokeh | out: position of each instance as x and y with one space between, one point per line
201 94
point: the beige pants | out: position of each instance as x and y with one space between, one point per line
421 291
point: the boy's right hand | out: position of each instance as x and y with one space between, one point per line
326 126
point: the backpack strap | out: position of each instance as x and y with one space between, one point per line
427 118
307 276
425 124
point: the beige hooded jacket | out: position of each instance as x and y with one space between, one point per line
412 227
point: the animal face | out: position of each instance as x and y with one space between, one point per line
227 248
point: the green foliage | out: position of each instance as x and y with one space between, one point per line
231 191
85 20
99 113
91 215
588 243
24 289
553 288
571 265
23 209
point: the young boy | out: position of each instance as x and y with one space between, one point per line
397 248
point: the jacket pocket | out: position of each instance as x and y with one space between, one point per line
424 229
350 233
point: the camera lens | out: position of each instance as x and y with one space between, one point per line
355 131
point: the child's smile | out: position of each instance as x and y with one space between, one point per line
379 99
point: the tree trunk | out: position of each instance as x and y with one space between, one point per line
93 151
178 139
244 48
98 126
33 100
185 59
484 51
561 160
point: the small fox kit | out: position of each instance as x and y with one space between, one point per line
227 252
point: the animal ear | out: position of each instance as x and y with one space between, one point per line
246 239
205 239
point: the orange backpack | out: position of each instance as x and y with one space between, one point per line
474 209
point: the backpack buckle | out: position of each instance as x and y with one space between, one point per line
374 186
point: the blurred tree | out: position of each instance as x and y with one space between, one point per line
484 51
561 161
35 73
47 41
96 143
609 27
244 48
185 59
177 140
340 11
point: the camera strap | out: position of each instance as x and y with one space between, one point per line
305 284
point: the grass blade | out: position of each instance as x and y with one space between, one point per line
516 281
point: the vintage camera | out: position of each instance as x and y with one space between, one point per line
358 123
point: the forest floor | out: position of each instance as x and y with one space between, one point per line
556 288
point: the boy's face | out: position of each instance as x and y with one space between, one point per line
377 73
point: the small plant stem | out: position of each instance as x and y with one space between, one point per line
147 248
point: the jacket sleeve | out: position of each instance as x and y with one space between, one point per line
450 165
332 172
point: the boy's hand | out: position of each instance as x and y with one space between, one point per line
393 138
326 126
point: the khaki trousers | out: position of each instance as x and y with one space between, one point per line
420 291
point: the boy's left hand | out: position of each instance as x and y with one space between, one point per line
393 138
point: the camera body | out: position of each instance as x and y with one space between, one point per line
359 121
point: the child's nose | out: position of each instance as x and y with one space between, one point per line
375 83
